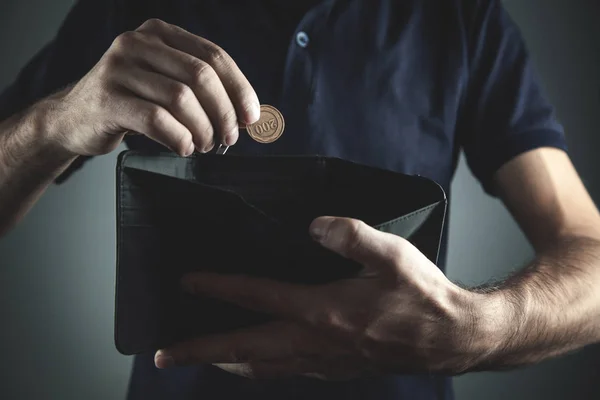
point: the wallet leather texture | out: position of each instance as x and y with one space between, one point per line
244 215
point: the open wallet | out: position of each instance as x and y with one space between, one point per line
249 215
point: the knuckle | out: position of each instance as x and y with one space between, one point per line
155 117
125 40
215 55
152 24
181 94
229 119
201 72
353 228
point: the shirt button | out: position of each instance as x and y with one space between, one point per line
302 39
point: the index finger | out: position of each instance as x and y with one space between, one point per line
263 295
275 340
240 91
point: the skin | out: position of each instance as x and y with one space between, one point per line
178 89
401 314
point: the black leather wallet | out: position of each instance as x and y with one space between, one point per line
249 215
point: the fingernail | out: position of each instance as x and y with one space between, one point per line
208 148
252 113
163 360
232 137
190 150
319 228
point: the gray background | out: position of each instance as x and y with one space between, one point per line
57 267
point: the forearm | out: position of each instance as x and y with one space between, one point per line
30 159
550 308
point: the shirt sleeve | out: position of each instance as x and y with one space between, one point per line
504 112
83 37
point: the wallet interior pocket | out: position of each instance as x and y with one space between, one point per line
174 226
298 192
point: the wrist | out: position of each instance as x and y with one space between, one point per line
493 323
482 327
30 136
51 123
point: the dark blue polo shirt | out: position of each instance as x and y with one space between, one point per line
403 85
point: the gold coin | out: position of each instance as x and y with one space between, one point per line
269 126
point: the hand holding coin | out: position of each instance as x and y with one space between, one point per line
178 89
267 129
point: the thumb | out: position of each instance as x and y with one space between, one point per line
355 240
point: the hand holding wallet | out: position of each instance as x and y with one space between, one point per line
244 215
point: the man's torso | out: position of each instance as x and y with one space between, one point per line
375 82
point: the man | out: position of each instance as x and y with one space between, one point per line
402 85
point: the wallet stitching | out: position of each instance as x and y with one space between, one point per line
120 246
404 217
